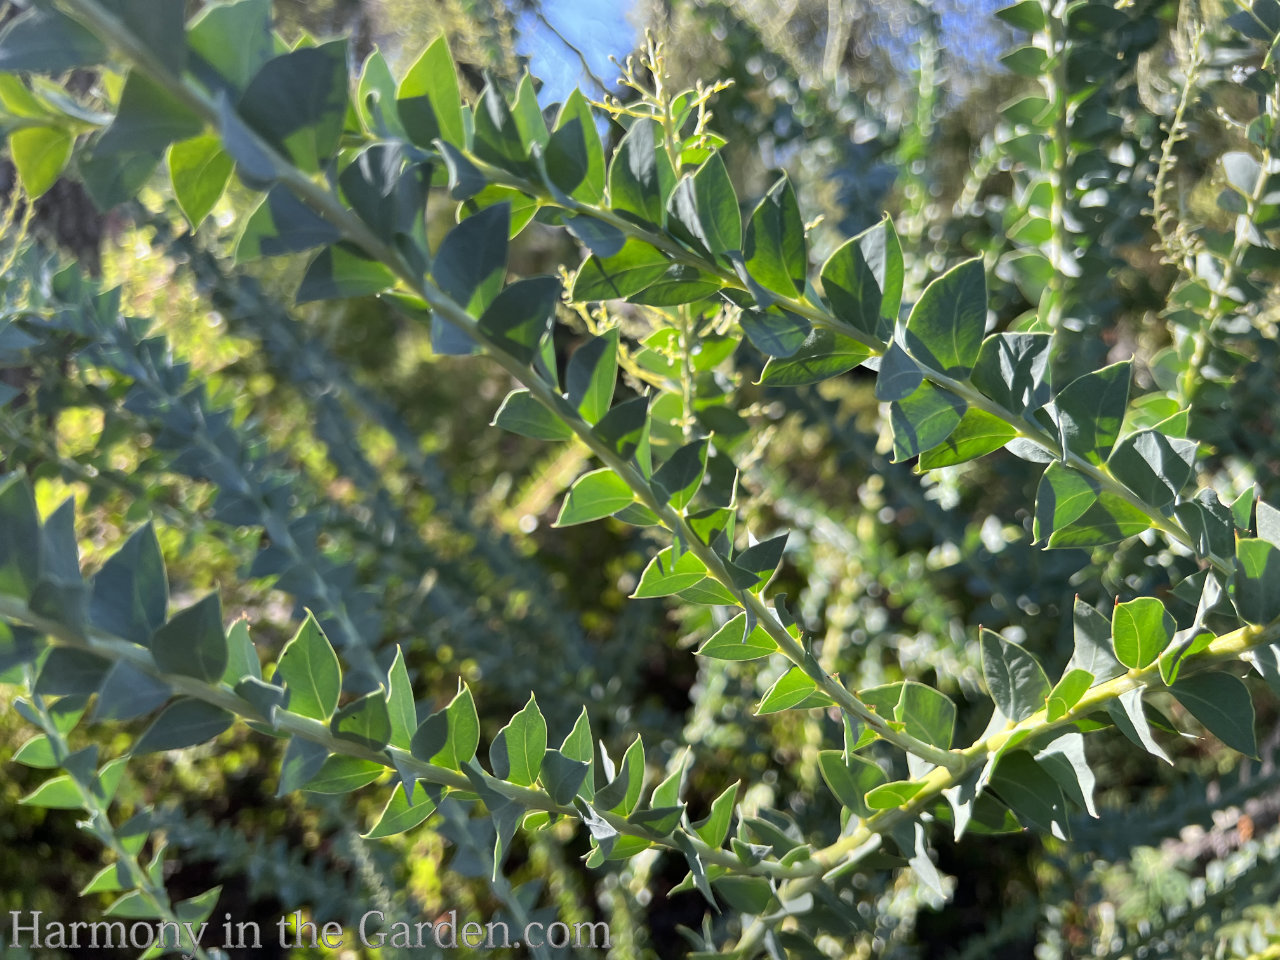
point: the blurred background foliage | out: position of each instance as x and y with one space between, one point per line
386 503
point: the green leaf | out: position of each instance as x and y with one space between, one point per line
401 710
242 656
428 101
365 721
823 354
497 139
863 280
70 672
575 158
42 40
850 778
1032 793
774 248
131 593
578 745
1140 630
40 154
1221 702
1127 712
194 642
282 224
229 43
977 434
1257 580
775 333
926 714
472 259
641 177
184 723
1027 15
895 794
309 669
1110 519
1091 409
60 793
343 272
1064 760
677 481
703 210
1014 677
1208 521
20 548
593 496
516 752
298 102
662 578
128 693
923 420
563 776
521 315
947 324
715 827
339 774
199 170
302 761
1153 466
794 690
731 642
591 375
449 738
1012 369
629 271
521 413
1026 61
401 815
747 895
1066 693
36 752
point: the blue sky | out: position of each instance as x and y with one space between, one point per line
598 28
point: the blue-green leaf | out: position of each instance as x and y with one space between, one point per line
1222 703
1014 677
194 642
309 669
184 723
947 324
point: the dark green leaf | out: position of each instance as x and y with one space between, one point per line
1012 369
365 721
946 326
1110 519
793 690
703 210
1208 520
863 280
449 738
575 158
1153 466
591 375
302 761
401 815
298 102
193 643
1032 793
923 420
775 333
130 593
822 355
1014 677
184 723
1091 409
748 895
42 40
562 776
715 827
850 778
678 480
641 177
521 315
282 224
129 693
472 260
926 714
497 139
67 671
1065 761
1222 703
1127 712
662 578
774 248
343 272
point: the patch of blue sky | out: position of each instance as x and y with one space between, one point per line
570 44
